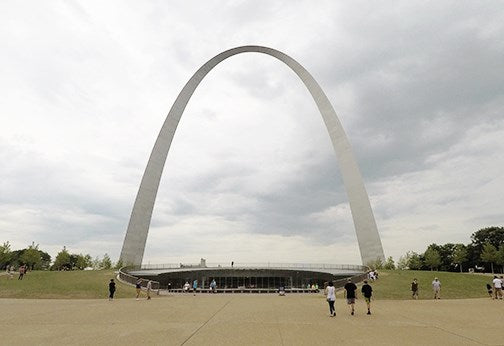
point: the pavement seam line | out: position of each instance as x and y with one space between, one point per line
197 330
444 330
279 330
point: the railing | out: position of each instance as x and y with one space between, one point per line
355 279
131 279
237 265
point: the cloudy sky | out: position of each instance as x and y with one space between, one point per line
251 175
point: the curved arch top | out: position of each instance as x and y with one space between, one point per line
365 226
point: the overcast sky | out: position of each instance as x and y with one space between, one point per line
251 175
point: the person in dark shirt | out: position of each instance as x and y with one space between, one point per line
111 288
489 290
138 287
350 296
367 292
414 289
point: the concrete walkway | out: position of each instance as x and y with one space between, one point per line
248 320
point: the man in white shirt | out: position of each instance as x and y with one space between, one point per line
149 289
497 283
436 286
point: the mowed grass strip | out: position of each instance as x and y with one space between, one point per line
396 284
63 285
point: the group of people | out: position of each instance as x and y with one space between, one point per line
350 295
187 287
436 288
23 269
372 275
495 289
138 287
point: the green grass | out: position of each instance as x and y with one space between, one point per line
396 284
393 284
63 285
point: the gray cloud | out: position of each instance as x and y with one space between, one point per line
86 86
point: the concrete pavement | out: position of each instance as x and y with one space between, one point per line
240 319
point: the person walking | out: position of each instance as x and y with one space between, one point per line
9 272
436 287
367 292
497 285
331 298
111 288
414 289
350 294
138 287
195 286
149 289
169 286
490 291
21 272
213 286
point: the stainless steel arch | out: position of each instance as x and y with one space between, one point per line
365 226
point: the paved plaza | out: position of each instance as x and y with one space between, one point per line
240 319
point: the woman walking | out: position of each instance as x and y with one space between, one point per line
331 297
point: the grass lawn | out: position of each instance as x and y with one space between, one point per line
63 285
393 284
396 284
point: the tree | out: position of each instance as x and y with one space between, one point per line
459 255
5 255
106 263
403 262
489 254
500 257
473 256
493 235
414 262
389 264
119 264
446 255
62 261
82 261
432 258
31 257
96 263
45 260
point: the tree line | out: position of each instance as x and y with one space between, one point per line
36 259
485 252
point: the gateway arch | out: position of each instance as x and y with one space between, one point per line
365 226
